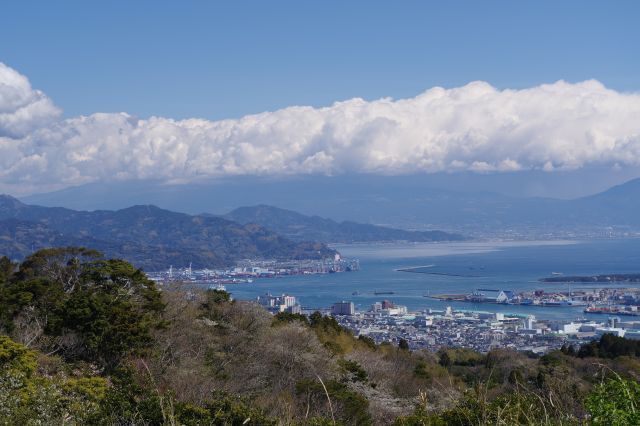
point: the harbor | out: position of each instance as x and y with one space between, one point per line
246 271
622 301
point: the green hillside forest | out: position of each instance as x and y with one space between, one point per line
87 340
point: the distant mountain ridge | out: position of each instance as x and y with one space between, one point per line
299 227
147 236
405 202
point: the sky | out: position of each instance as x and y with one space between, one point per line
180 91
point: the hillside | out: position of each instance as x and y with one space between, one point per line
299 227
616 206
107 347
148 236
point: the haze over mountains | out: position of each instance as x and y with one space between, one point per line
402 202
295 218
147 236
299 227
154 238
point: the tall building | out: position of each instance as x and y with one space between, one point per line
529 322
284 303
288 301
343 308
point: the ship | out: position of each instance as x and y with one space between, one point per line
553 302
382 292
609 310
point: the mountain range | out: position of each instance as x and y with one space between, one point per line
149 237
406 202
299 227
153 238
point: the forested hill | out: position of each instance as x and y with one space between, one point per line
300 227
149 237
86 340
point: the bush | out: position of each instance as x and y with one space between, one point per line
348 406
460 356
615 403
368 342
354 371
16 358
26 398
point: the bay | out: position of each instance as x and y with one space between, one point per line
458 268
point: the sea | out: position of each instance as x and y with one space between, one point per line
456 268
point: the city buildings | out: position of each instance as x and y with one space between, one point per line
481 331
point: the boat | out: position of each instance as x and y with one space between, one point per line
613 310
355 293
217 287
553 303
382 292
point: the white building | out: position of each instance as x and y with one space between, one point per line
570 328
280 303
529 322
395 311
491 296
620 332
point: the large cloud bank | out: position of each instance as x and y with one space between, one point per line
475 127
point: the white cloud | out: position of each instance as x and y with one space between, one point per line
475 127
22 108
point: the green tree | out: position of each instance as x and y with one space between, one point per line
113 309
287 318
97 310
7 269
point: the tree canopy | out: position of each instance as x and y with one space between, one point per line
74 302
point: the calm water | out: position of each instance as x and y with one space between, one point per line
499 265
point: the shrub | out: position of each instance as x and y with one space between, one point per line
354 371
615 403
348 406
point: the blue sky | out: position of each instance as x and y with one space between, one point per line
226 59
539 88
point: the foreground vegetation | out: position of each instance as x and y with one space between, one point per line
84 340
